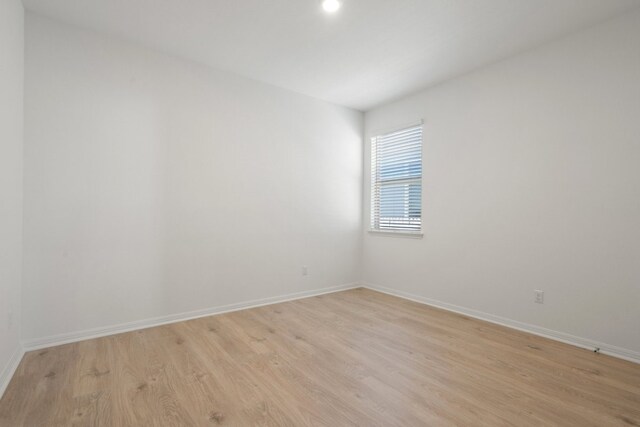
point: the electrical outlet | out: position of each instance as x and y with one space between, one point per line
539 297
305 270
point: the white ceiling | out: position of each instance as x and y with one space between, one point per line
370 52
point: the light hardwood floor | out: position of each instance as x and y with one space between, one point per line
350 358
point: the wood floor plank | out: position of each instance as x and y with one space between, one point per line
353 358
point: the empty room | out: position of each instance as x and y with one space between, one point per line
319 213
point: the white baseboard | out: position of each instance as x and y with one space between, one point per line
10 369
71 337
611 350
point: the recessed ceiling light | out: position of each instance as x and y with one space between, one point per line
331 6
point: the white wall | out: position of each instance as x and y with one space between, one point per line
531 181
156 186
11 121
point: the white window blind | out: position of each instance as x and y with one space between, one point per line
396 181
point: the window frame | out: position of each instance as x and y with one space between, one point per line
372 185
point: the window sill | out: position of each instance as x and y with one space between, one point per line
405 234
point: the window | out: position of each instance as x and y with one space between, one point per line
396 181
